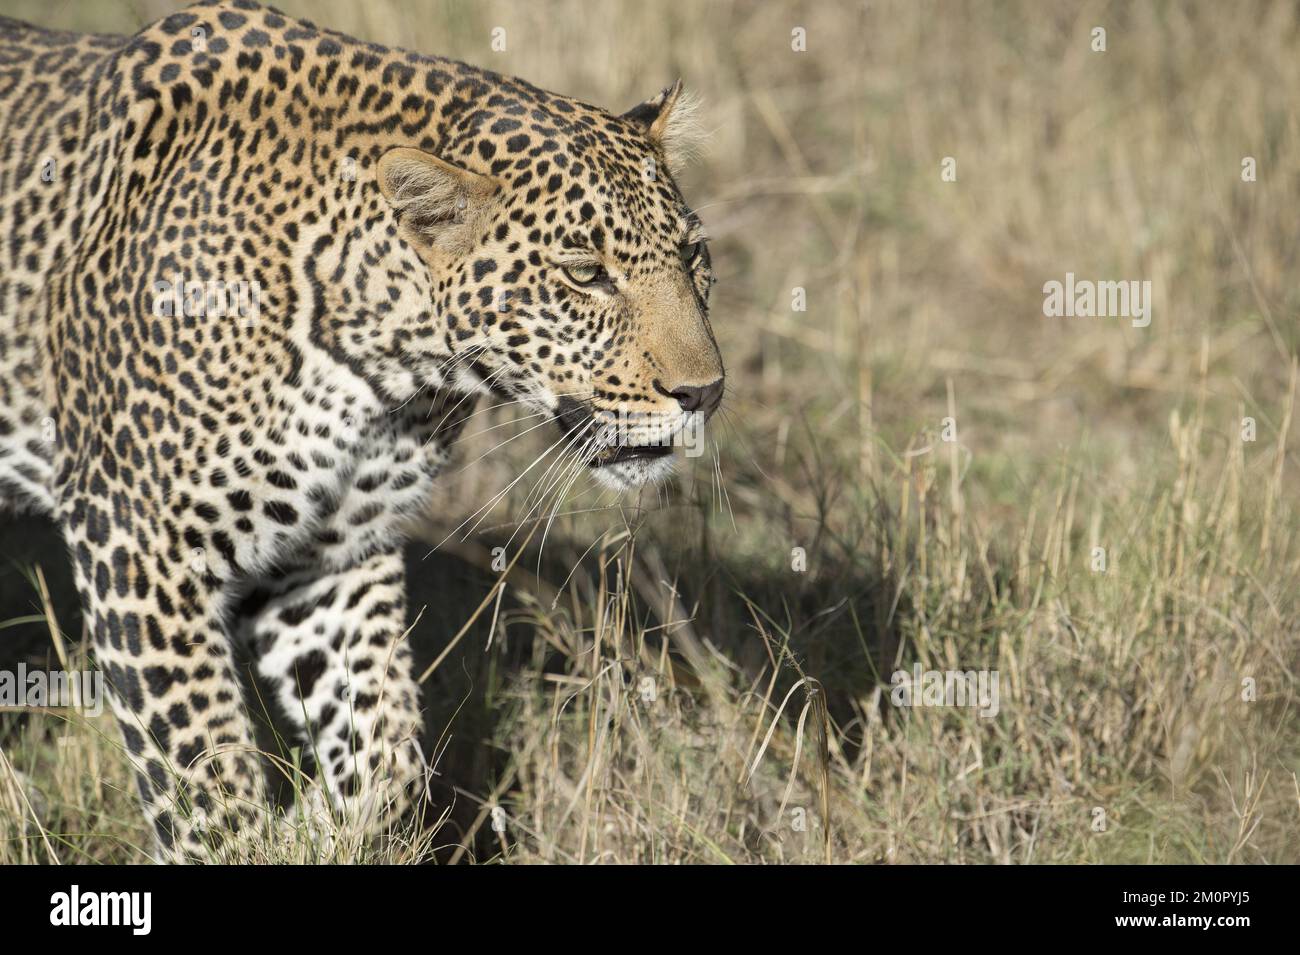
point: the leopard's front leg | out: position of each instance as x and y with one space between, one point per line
160 640
332 646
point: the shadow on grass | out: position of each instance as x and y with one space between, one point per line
833 621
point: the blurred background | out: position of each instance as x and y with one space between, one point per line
621 698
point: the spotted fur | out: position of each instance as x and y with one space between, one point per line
415 232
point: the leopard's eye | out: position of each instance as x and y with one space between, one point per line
691 252
585 273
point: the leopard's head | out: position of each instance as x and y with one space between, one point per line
568 271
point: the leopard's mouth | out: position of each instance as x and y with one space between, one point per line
621 465
576 418
621 454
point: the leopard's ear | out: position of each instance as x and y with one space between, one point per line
434 199
671 121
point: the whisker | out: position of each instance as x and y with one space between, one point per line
560 467
503 424
465 397
483 511
502 444
440 372
559 500
493 502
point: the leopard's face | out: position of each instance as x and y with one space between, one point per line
572 278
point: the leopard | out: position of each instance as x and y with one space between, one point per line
256 277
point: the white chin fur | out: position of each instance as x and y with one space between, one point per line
628 475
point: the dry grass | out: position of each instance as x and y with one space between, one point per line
667 701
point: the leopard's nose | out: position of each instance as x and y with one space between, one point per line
701 398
